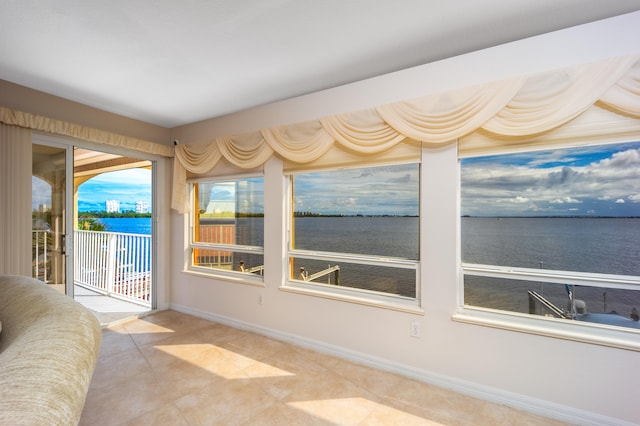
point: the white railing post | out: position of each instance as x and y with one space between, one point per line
115 264
112 248
40 264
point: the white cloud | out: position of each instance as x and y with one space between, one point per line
619 201
553 182
567 200
629 158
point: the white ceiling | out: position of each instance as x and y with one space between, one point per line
172 62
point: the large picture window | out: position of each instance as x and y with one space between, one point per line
357 229
554 233
227 232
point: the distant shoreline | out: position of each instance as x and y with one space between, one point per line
550 217
102 214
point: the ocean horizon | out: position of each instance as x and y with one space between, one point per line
594 245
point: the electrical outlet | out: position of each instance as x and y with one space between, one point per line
415 329
260 300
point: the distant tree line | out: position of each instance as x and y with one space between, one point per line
90 224
126 213
313 214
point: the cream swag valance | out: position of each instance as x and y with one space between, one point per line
513 108
40 123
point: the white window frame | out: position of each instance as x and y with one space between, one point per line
245 277
346 293
581 331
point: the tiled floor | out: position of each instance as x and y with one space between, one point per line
173 369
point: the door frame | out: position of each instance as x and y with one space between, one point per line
67 236
160 175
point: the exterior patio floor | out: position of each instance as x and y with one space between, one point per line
108 310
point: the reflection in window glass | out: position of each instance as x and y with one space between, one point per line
229 213
368 212
574 210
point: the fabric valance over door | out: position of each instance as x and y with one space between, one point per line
58 127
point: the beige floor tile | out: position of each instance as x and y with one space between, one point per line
285 363
254 346
496 414
171 368
297 361
218 334
278 414
379 383
233 403
433 403
183 346
167 415
279 382
114 342
124 401
118 367
146 333
162 354
183 378
332 398
327 361
337 410
384 415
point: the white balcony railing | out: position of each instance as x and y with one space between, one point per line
40 254
115 264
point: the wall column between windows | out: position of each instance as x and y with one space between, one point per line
275 219
439 228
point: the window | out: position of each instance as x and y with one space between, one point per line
356 230
227 231
554 234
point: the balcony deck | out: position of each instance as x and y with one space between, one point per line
108 310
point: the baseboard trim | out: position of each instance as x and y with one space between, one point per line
494 395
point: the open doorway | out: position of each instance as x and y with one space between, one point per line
93 228
113 231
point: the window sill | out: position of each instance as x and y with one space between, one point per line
234 277
576 331
343 294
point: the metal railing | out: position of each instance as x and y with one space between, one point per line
41 258
115 264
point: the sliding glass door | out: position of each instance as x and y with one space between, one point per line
92 225
51 223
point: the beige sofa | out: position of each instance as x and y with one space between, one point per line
49 346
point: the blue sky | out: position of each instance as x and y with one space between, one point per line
126 186
591 181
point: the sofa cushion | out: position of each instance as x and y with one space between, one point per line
48 351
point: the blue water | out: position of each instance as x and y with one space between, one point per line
380 236
600 245
597 245
128 225
610 246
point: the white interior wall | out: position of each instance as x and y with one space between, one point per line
580 382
